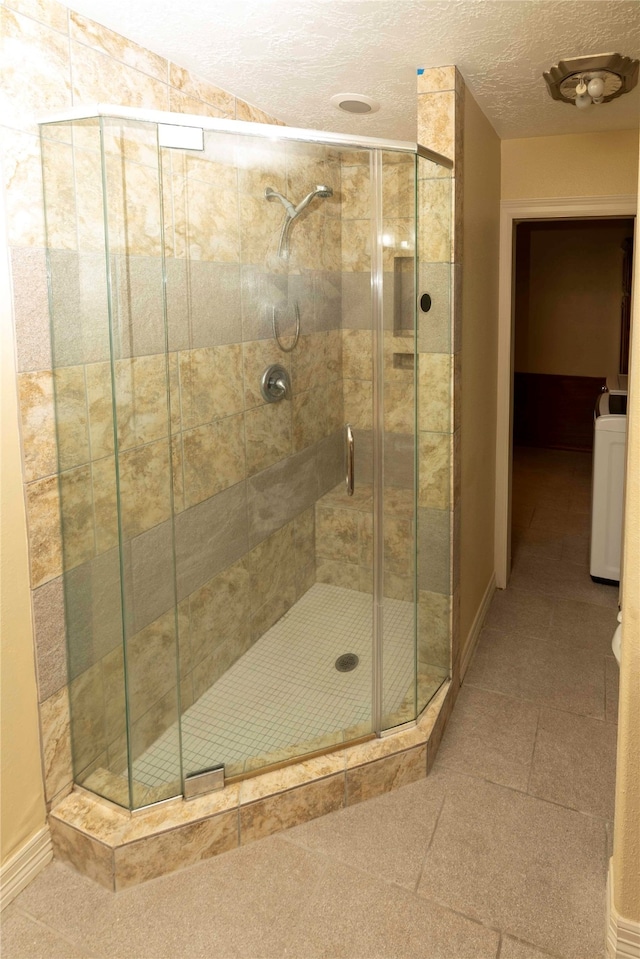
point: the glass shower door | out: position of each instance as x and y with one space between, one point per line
267 265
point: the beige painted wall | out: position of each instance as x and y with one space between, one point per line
22 793
585 164
571 322
479 359
626 857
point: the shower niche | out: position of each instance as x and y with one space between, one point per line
216 570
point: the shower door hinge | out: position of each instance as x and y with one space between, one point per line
205 781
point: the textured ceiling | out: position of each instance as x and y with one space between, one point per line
290 56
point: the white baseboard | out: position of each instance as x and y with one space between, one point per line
623 935
476 626
17 872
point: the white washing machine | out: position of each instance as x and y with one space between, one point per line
607 495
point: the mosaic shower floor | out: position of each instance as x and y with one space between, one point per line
286 690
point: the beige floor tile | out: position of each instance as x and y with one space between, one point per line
539 671
574 763
386 836
583 625
612 681
516 949
535 870
525 610
534 541
558 578
490 736
350 915
25 938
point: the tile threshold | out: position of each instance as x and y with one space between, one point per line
119 848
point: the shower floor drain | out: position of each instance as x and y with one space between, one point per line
347 662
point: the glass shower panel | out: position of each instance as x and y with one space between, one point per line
72 165
435 428
270 583
137 385
398 388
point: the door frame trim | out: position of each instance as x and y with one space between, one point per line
511 212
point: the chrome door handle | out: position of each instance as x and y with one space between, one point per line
350 459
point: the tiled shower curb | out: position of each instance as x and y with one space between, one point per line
119 849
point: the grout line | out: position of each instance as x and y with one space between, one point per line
430 843
533 752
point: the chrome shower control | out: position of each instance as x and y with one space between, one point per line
275 384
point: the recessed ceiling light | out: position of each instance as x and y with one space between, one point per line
354 103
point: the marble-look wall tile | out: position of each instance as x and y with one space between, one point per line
90 857
47 52
434 628
152 724
211 384
356 301
209 537
219 610
357 356
31 309
358 404
337 534
144 487
304 527
398 546
434 327
165 852
180 102
252 114
435 199
152 575
56 742
207 225
356 246
98 77
308 418
435 389
214 458
271 567
43 520
35 395
138 306
436 122
22 168
336 573
195 86
151 657
268 431
49 12
399 405
115 706
71 416
278 494
436 79
50 638
434 550
291 808
88 732
356 192
105 503
215 303
120 48
383 775
435 462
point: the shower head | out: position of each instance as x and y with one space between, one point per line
324 192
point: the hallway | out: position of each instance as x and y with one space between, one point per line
500 854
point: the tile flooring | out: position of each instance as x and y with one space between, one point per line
500 853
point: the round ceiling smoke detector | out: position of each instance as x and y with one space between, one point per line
355 103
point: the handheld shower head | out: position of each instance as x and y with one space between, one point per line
324 192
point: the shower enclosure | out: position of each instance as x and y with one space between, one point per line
254 425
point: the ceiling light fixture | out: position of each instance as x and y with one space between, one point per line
586 80
355 103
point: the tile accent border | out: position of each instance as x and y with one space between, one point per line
119 849
18 871
623 935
